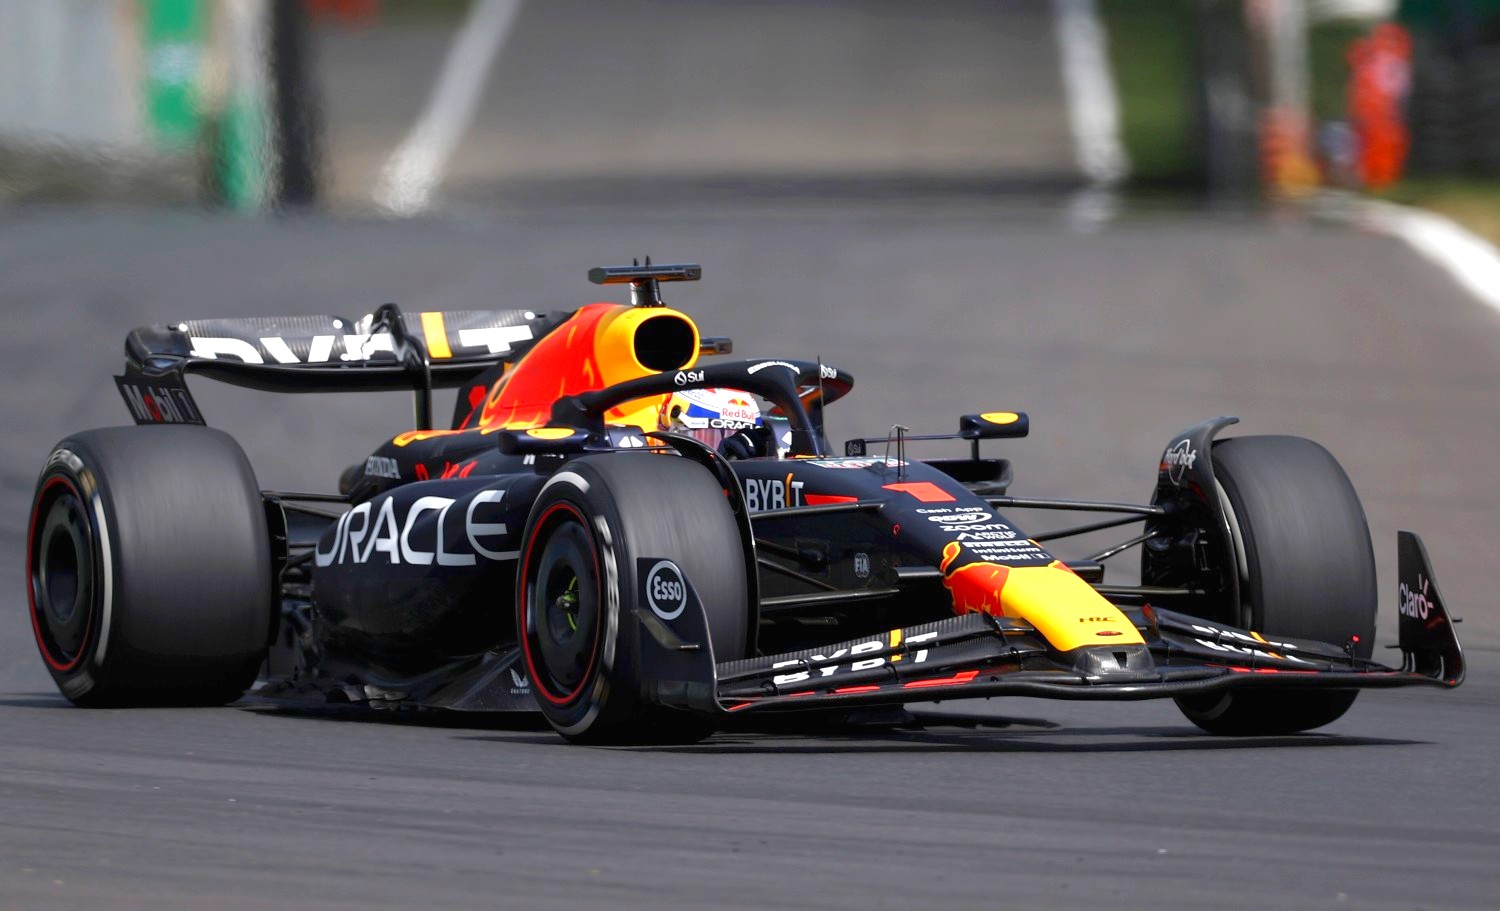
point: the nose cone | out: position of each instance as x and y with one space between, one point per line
1064 609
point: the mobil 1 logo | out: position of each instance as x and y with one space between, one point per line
665 590
158 400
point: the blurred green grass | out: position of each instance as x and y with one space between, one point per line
1328 58
1151 52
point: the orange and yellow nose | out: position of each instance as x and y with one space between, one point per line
1062 607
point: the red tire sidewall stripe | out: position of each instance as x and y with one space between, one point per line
536 680
36 626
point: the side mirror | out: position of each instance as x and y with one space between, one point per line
539 440
993 425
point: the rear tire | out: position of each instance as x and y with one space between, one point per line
149 567
1308 572
577 583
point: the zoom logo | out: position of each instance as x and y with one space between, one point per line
970 517
666 593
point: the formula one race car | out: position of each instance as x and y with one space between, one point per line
644 546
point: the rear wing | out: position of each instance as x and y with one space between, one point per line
386 350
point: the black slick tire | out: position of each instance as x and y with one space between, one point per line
577 580
1307 571
148 567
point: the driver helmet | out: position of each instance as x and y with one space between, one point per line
710 415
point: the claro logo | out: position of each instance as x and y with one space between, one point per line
1416 604
366 533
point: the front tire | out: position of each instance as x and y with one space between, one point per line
577 582
149 568
1307 571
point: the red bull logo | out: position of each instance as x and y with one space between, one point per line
975 587
739 410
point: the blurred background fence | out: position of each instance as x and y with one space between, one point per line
255 103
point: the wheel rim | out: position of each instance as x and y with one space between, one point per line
61 566
562 604
1245 613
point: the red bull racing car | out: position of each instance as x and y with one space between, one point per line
646 540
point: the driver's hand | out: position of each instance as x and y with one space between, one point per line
749 443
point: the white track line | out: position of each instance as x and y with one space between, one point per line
1472 261
1093 109
406 182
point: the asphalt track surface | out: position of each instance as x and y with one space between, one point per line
680 89
1112 340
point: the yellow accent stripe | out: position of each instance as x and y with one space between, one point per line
437 334
416 436
1259 638
895 641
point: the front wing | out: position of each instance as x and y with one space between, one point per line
974 655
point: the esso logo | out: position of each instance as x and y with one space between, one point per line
666 593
